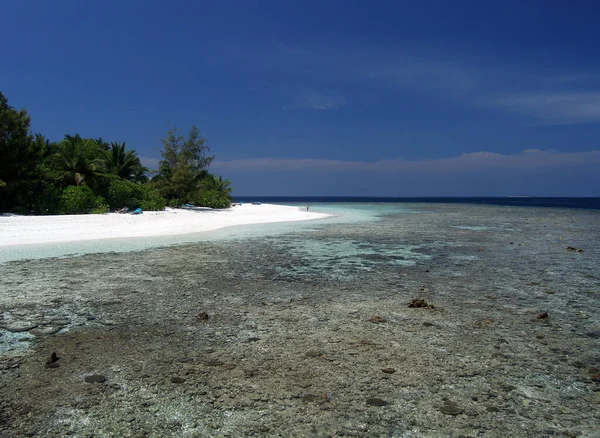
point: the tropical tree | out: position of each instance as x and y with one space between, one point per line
184 164
80 160
216 183
215 192
124 164
20 153
102 144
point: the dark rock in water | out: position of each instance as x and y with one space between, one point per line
177 379
310 398
542 315
481 323
418 302
203 316
572 248
52 362
253 339
388 370
377 402
507 387
376 319
250 372
428 324
95 378
314 353
450 408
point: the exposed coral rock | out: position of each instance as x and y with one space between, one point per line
377 402
95 378
376 319
419 303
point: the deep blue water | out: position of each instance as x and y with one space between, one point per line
579 203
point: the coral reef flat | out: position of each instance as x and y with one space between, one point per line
431 321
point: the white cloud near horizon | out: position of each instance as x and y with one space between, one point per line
527 160
560 107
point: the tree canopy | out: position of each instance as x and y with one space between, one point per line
82 175
183 166
124 164
20 154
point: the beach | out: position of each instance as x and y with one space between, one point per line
26 230
426 321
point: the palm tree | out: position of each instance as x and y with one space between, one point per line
124 164
218 184
78 159
104 145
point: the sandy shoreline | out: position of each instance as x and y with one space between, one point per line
23 230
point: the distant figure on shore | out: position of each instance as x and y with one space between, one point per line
306 207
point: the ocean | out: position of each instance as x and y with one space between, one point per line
409 318
515 201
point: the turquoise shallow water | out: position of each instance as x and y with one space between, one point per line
342 213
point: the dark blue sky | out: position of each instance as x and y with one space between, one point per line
398 98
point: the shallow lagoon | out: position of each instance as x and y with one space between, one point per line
289 347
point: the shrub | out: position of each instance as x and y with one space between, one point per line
123 193
150 198
175 202
101 208
79 200
214 199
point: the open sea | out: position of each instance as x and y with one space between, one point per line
515 201
314 335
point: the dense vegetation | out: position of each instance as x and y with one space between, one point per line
86 175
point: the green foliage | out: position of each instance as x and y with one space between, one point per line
184 163
100 209
80 160
20 153
151 199
79 200
124 164
77 174
214 199
215 192
123 193
174 202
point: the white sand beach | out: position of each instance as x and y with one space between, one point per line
22 230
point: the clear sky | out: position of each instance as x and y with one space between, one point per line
381 98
